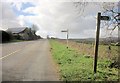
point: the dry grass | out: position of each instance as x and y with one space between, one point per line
74 66
88 49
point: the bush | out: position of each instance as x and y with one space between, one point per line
5 37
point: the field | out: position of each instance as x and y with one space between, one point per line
77 66
88 49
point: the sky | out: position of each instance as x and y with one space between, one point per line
51 16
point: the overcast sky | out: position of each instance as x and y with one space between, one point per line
51 16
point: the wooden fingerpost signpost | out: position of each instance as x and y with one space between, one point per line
99 18
67 35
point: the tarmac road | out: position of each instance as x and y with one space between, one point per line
28 61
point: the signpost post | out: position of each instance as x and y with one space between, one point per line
67 35
99 18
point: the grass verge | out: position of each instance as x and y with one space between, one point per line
76 67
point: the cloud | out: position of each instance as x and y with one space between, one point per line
21 20
8 17
65 17
53 16
18 5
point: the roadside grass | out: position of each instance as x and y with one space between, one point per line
74 66
104 52
88 49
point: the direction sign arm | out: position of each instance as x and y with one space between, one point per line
107 18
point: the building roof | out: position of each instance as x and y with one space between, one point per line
17 29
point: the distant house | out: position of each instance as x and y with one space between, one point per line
22 33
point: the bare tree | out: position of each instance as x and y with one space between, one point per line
35 27
107 8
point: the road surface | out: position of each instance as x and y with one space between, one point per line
28 61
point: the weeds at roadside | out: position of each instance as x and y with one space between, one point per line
76 67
